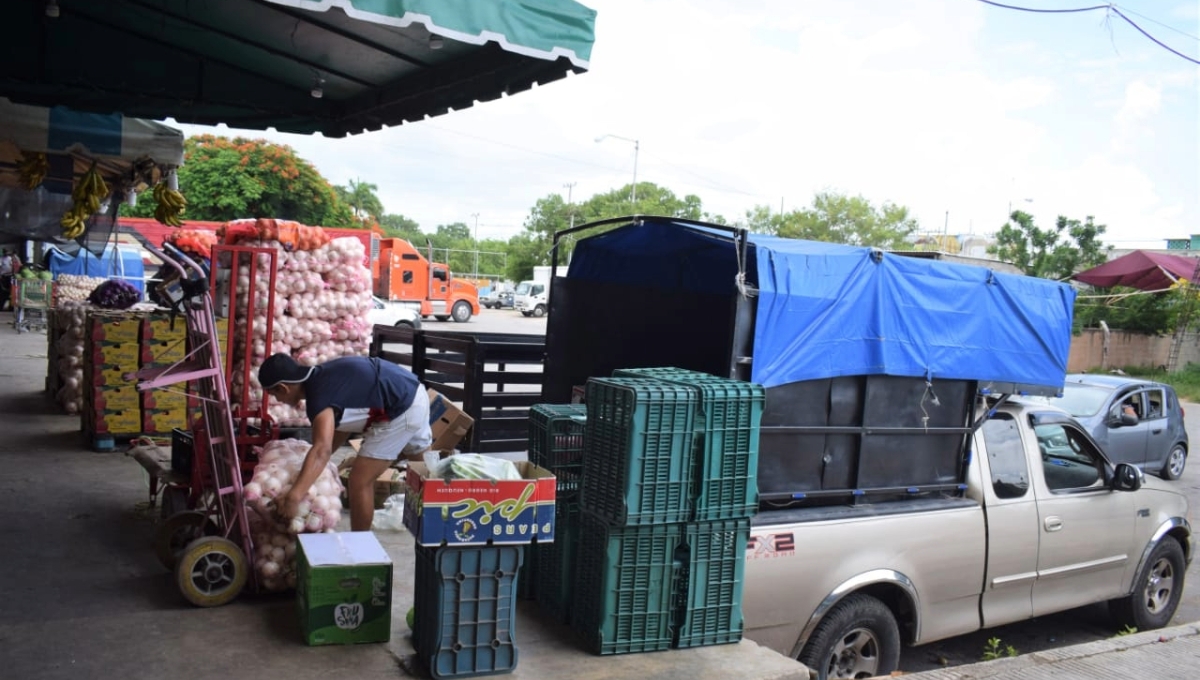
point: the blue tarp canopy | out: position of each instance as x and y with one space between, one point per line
826 310
115 263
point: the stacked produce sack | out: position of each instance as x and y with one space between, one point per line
322 297
275 540
75 288
71 330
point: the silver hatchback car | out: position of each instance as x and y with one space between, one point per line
1134 421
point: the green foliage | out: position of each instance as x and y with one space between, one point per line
399 226
225 179
837 218
1127 309
1071 246
1127 630
993 650
1186 381
361 198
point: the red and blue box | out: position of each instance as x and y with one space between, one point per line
480 511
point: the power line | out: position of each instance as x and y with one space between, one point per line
1155 21
1109 8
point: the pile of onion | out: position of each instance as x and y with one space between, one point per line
275 540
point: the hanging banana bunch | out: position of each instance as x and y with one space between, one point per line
89 191
32 168
171 205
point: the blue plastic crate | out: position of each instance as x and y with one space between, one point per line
625 596
556 562
465 609
727 441
556 433
639 457
714 576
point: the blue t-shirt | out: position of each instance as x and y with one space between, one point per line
358 383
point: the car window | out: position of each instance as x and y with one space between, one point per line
1134 404
1069 461
1081 401
1006 456
1156 403
407 276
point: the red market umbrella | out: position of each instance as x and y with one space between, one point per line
1141 270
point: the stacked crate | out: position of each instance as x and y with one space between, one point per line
112 406
556 436
163 344
464 610
668 489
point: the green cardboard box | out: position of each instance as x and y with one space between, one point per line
343 588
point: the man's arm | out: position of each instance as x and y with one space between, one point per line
314 462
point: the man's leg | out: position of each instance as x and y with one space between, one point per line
361 491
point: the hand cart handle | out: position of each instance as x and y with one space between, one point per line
174 260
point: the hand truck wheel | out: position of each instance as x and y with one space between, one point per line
211 571
177 532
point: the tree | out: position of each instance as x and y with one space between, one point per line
226 179
1056 253
361 198
399 226
837 218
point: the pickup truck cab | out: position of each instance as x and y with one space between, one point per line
1047 523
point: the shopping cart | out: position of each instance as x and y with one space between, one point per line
31 300
213 567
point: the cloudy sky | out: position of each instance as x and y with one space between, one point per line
946 106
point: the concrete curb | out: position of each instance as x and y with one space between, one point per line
1003 668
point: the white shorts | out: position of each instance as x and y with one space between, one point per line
408 434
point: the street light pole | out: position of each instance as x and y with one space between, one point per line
570 187
476 216
636 148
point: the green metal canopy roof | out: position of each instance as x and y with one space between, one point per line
332 66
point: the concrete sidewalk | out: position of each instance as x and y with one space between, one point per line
84 597
1167 654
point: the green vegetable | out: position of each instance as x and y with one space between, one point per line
45 276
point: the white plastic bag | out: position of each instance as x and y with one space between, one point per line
476 466
391 516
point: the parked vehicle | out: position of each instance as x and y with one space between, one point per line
498 299
533 296
403 274
904 497
393 314
1135 421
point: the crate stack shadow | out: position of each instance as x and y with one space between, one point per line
656 488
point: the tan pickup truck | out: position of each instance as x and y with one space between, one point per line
1046 524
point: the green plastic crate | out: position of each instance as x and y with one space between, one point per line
556 435
727 443
625 598
465 609
714 575
639 457
555 563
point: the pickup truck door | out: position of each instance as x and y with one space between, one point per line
1086 529
1012 521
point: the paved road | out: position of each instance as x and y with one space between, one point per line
491 321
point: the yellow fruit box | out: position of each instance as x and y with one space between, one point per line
162 422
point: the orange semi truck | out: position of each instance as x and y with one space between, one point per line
402 274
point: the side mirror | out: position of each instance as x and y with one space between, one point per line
1127 478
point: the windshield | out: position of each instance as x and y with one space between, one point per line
523 288
1081 401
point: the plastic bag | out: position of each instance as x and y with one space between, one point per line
476 466
391 516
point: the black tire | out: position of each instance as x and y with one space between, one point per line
1156 590
461 311
1175 463
404 324
858 638
526 313
441 317
539 311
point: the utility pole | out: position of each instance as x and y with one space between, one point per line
476 216
570 187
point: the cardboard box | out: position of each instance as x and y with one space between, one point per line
162 400
162 422
480 512
113 422
343 588
125 355
114 327
115 398
163 352
389 483
448 422
158 327
110 377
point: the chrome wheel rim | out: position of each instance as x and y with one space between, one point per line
856 655
1175 461
1160 585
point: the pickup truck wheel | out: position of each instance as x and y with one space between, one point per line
1156 591
461 311
858 638
1176 461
